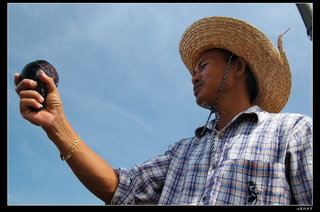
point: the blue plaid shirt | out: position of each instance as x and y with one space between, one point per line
260 158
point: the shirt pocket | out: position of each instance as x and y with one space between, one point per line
245 182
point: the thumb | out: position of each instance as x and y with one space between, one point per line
48 81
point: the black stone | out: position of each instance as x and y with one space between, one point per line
32 71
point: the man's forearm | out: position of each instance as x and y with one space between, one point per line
94 172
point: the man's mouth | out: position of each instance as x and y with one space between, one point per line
196 88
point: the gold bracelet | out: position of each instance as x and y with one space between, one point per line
74 145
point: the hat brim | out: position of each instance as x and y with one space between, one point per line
269 65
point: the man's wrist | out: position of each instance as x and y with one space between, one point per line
61 133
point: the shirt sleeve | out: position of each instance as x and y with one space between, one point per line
300 161
143 183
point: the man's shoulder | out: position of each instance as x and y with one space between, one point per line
288 115
286 120
181 144
285 117
291 117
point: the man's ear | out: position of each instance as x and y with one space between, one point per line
240 67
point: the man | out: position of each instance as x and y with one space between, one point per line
248 155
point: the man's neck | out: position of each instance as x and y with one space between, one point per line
228 113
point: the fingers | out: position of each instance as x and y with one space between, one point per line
30 98
31 101
17 78
31 94
25 104
26 84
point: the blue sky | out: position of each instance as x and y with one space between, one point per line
124 87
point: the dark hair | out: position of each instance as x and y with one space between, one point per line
250 78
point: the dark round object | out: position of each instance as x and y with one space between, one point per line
32 70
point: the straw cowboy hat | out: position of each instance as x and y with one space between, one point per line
269 65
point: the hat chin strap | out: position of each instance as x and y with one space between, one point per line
214 108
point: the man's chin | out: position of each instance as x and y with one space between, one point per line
203 103
199 101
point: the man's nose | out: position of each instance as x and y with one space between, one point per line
195 78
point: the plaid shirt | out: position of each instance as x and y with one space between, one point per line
260 158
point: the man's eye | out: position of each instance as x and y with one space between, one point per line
204 65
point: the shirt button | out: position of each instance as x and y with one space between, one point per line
204 198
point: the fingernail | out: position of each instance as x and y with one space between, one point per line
41 99
40 105
33 82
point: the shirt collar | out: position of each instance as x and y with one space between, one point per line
254 112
